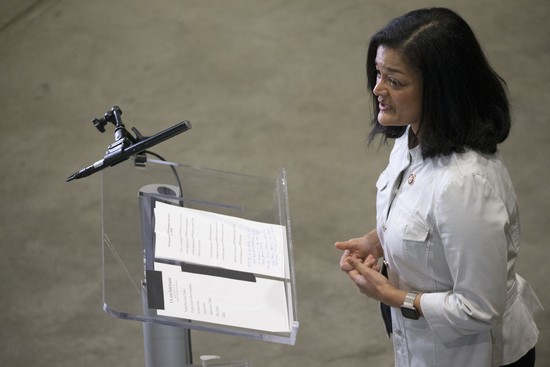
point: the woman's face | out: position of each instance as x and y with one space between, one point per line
398 88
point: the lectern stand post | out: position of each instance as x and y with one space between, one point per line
166 346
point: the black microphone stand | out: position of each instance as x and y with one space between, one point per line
123 139
126 145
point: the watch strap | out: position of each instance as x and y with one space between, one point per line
409 299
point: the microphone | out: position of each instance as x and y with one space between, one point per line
117 152
85 172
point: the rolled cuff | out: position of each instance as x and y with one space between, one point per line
432 305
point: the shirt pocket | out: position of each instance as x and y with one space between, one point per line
416 244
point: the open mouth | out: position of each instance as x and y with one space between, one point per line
383 107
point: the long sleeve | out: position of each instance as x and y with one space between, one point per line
472 222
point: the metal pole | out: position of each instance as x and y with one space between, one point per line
165 346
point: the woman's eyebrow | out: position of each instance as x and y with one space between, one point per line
389 69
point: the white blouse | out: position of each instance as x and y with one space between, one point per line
449 227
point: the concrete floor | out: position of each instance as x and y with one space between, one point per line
266 84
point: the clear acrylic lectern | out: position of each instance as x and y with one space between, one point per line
131 288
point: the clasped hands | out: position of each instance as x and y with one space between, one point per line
360 262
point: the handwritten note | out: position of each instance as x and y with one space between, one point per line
212 239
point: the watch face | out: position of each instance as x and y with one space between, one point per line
410 313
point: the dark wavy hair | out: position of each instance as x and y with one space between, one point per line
464 102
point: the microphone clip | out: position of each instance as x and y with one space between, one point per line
123 138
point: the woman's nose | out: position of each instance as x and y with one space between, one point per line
378 88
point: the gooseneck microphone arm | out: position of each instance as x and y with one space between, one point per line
125 145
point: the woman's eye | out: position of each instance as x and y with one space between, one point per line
394 82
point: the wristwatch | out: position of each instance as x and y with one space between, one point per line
407 309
